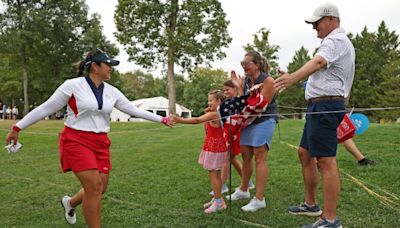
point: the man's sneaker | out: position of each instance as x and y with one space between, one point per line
239 194
366 162
69 214
303 209
323 223
216 207
224 189
254 205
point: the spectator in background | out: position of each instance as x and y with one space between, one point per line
351 147
14 112
8 113
1 110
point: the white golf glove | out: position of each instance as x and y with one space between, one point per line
11 148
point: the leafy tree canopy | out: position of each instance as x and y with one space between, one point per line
201 82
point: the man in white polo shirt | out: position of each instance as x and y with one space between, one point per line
330 76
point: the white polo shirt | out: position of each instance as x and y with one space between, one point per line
337 78
83 111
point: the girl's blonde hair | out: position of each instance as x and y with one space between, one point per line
218 94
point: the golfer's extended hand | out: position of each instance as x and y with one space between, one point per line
168 121
285 80
12 136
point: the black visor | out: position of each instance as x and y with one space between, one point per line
100 57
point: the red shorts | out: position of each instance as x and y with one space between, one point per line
82 150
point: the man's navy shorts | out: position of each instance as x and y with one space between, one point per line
319 134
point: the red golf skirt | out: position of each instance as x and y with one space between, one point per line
82 150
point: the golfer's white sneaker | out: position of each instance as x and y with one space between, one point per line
254 205
239 194
69 214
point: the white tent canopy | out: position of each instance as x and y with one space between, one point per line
156 105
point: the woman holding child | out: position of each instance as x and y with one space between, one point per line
255 139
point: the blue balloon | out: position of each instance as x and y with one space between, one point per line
360 121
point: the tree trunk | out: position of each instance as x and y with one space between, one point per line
171 88
25 84
24 57
171 57
25 80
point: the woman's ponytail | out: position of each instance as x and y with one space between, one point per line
85 63
263 62
81 68
266 68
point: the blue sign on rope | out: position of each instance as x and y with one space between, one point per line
360 121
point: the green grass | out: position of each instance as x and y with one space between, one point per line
156 181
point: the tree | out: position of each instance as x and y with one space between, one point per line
136 84
93 37
10 80
294 95
30 44
180 84
390 96
15 27
63 47
376 52
201 82
42 40
261 45
159 87
172 32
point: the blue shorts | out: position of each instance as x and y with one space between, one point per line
259 134
319 134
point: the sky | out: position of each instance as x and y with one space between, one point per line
284 19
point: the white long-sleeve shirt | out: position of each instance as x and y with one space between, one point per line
83 111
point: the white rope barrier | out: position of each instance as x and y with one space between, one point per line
263 115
